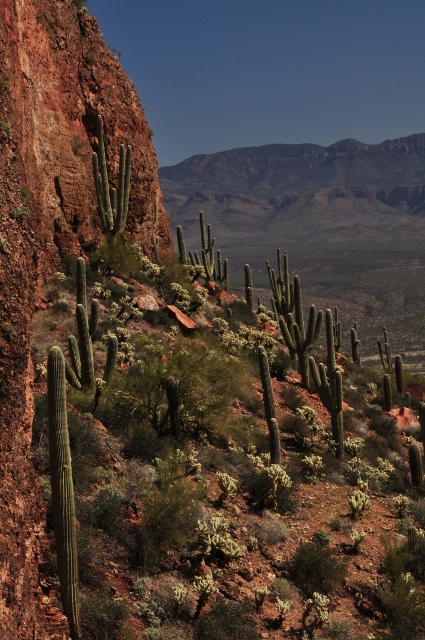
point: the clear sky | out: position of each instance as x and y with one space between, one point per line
218 74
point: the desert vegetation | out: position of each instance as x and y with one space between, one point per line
213 468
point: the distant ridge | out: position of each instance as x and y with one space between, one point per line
274 169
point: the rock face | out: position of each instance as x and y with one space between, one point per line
60 75
56 75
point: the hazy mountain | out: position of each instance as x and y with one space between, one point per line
364 202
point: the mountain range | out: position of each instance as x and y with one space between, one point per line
364 202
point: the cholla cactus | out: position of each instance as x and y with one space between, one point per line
260 594
359 502
282 608
357 538
306 413
252 543
317 605
180 596
280 480
219 524
227 484
100 292
192 464
206 588
314 466
353 445
400 504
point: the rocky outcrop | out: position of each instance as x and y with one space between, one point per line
60 75
56 76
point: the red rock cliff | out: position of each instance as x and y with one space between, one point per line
56 75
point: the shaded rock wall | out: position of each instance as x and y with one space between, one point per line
56 75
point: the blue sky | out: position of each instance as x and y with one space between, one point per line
218 74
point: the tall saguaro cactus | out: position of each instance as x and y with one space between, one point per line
337 332
415 463
82 296
328 383
355 350
295 336
249 294
269 406
112 204
387 362
62 489
282 288
171 387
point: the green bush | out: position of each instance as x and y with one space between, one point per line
291 398
227 620
316 568
101 617
107 513
241 314
322 537
339 630
170 517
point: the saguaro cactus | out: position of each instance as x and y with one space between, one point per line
171 387
355 351
387 362
328 383
248 288
269 406
415 463
295 336
112 204
282 288
399 377
337 332
82 296
388 396
62 489
181 245
422 421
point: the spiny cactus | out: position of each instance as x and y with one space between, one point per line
260 594
337 332
359 502
400 504
112 204
355 351
82 372
328 383
207 248
415 463
295 336
398 365
412 539
62 489
282 288
181 245
269 406
357 538
171 387
387 362
388 396
248 288
227 484
422 421
82 296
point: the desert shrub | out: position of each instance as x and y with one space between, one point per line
158 319
52 295
143 442
241 313
101 617
385 426
118 414
322 537
401 598
259 485
295 424
87 546
291 398
107 510
170 517
271 529
280 588
418 511
316 568
229 620
61 306
339 630
281 364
